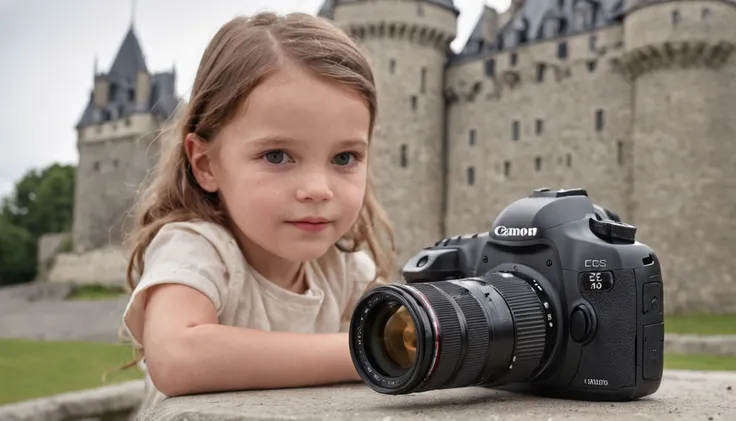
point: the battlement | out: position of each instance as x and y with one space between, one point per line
419 22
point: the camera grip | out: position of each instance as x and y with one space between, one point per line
609 360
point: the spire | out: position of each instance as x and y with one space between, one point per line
129 59
132 13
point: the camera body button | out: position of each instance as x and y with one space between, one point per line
581 324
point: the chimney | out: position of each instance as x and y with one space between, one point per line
490 24
142 89
102 91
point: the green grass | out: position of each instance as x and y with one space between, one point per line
699 362
31 369
96 292
706 324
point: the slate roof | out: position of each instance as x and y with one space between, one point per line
329 5
538 20
122 78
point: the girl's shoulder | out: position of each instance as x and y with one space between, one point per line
194 241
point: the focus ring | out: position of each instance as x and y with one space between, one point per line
477 334
450 339
529 325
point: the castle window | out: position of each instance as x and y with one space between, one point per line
513 59
569 160
515 130
540 71
423 87
705 14
620 152
591 66
562 50
414 102
538 163
591 43
471 176
96 166
675 17
392 66
507 168
471 139
540 126
599 120
115 163
490 67
404 159
551 27
113 91
131 94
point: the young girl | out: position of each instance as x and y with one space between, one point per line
249 250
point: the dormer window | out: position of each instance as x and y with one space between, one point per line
551 27
583 16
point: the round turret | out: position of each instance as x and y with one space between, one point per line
680 58
407 44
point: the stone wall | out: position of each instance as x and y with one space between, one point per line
405 43
528 118
681 58
112 169
49 245
105 266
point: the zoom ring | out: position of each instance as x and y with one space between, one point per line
477 335
450 333
529 325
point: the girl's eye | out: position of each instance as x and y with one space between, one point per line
276 157
343 159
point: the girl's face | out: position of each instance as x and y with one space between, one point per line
292 165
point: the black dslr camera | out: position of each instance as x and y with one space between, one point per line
558 300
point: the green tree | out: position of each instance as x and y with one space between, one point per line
17 253
43 202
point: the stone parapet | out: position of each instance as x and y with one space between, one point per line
111 403
683 395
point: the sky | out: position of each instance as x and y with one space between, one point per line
48 50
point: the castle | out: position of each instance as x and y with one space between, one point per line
631 101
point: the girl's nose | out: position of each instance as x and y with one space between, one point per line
314 187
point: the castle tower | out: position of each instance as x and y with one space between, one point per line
680 57
407 44
126 109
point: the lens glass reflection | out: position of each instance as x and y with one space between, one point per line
400 338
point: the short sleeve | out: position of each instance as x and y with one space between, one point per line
360 271
182 254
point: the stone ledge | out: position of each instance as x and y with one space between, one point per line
114 402
683 395
724 345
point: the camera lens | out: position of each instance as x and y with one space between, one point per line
416 337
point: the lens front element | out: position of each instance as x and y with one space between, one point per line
400 338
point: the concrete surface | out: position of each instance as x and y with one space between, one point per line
62 320
683 395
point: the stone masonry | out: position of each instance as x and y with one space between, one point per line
630 100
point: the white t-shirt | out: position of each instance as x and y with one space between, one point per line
206 257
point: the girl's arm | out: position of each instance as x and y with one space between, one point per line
188 352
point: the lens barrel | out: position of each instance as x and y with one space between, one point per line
489 330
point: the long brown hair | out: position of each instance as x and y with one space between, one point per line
241 55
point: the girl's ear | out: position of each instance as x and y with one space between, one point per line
201 164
